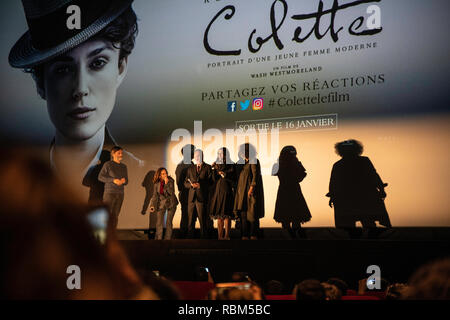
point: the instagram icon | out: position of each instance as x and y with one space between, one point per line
258 103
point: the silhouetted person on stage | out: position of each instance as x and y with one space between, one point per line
222 195
198 181
249 200
96 187
183 194
356 190
291 209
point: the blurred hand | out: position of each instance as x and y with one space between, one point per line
250 192
152 209
118 182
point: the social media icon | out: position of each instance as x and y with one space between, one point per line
232 106
245 105
258 103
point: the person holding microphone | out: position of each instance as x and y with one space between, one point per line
163 199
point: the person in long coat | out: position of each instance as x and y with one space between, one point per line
291 209
249 200
356 190
222 199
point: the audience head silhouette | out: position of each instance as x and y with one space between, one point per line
431 282
309 290
45 229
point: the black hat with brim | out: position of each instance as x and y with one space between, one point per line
49 36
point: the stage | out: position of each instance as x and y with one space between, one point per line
325 253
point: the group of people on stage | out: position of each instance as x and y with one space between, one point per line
223 191
226 191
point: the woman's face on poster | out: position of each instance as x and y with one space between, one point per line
80 88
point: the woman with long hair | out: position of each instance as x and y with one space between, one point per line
291 209
163 200
222 199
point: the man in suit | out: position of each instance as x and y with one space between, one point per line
183 193
198 180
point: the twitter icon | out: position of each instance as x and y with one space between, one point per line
245 105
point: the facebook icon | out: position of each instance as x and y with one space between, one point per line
232 106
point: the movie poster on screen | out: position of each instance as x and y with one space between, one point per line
318 71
